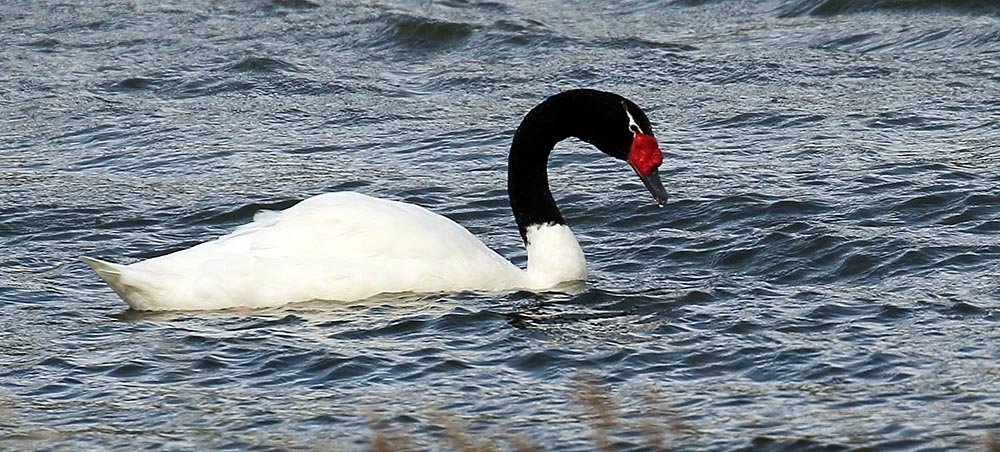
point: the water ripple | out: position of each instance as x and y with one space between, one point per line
824 277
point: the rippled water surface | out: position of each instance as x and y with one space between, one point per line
826 275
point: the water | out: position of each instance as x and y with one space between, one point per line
824 277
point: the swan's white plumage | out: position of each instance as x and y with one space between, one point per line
339 246
554 256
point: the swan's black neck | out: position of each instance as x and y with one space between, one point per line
595 117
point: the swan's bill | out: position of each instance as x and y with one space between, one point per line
654 185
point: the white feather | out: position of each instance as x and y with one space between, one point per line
339 246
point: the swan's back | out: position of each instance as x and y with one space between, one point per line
336 246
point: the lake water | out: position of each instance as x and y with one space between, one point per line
826 275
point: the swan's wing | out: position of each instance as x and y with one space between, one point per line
355 226
342 246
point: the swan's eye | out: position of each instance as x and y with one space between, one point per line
634 128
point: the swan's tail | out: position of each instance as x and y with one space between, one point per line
110 273
115 275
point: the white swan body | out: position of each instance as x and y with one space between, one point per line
339 246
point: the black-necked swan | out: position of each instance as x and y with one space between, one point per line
348 246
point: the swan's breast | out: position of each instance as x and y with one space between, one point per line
554 255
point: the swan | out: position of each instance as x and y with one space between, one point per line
348 246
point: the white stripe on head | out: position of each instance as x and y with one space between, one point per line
631 121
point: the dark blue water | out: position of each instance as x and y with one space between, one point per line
826 275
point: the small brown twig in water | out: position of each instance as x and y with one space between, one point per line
461 441
657 433
598 410
382 441
992 445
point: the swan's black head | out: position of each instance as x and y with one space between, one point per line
609 122
619 128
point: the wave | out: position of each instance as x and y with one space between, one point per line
896 230
763 119
917 39
798 8
424 32
264 65
299 4
251 73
